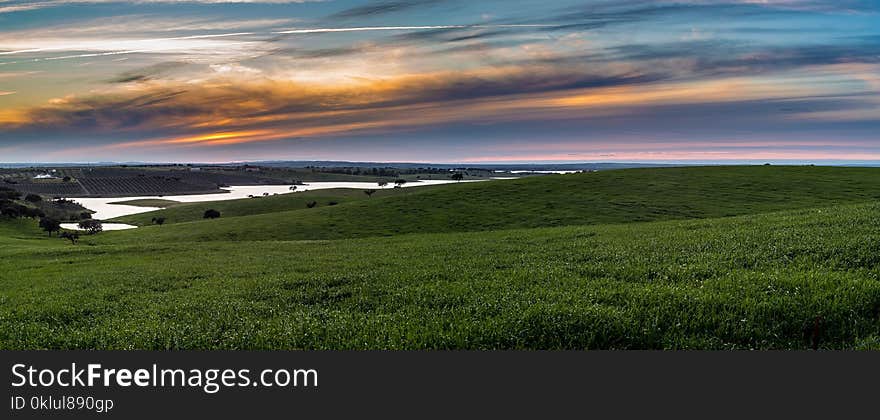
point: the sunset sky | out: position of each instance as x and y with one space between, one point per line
439 80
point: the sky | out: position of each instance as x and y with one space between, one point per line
444 81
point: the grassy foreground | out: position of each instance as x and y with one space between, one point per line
784 279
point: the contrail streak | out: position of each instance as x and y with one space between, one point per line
108 50
74 47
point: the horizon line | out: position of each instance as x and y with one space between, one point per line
481 163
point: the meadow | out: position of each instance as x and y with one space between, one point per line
671 258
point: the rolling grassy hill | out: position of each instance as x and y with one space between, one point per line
619 196
188 212
800 266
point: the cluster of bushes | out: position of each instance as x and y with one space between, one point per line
9 208
383 172
82 216
388 172
9 194
14 204
14 210
64 209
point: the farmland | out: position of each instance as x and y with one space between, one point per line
128 181
123 181
672 258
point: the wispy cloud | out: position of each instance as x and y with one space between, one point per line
402 28
17 6
384 7
211 113
214 46
473 73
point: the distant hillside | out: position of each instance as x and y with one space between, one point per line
631 195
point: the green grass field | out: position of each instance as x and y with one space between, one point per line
149 202
672 258
188 212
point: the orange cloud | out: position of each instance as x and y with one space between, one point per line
235 109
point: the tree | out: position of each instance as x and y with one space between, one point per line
383 184
458 176
92 226
211 214
400 182
66 179
50 225
159 221
72 236
370 193
33 198
85 215
311 204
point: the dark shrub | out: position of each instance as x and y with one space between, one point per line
9 194
33 213
11 211
33 198
72 236
211 214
